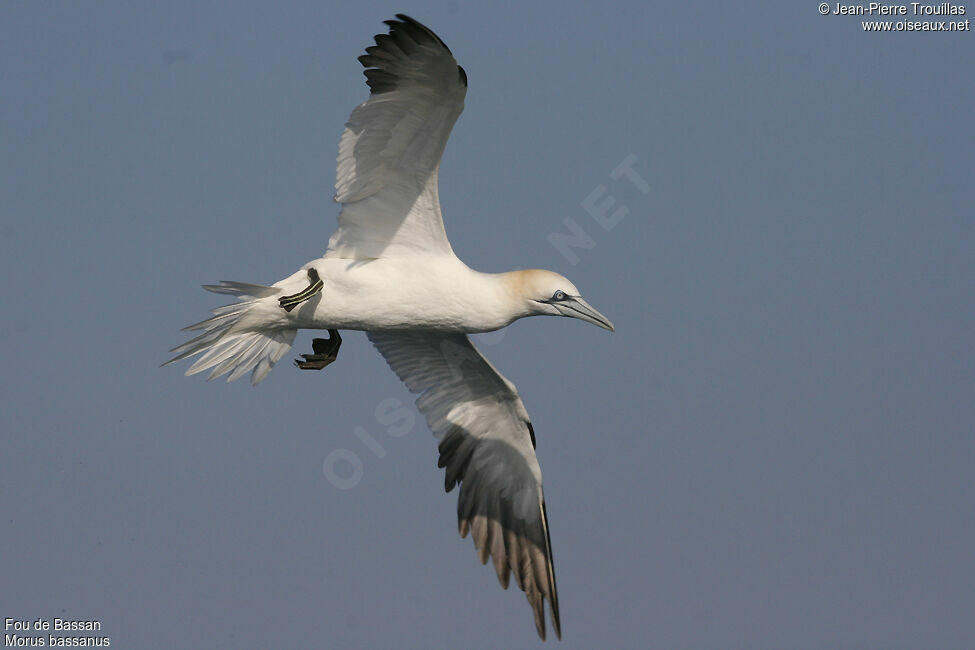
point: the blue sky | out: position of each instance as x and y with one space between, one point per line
774 449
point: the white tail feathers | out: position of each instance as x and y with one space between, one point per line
238 338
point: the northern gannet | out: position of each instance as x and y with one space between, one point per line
390 272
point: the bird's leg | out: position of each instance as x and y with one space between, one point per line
314 288
325 352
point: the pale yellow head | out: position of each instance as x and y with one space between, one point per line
546 293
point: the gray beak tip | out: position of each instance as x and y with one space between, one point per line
579 308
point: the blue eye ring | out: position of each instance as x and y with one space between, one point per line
559 295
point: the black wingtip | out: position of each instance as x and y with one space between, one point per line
404 38
416 23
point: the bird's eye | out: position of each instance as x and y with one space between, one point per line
558 295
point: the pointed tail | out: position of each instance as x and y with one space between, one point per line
238 338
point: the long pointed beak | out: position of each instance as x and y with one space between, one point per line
576 307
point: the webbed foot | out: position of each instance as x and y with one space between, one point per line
325 352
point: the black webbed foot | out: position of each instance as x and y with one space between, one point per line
325 352
290 302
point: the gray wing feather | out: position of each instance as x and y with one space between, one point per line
390 150
487 448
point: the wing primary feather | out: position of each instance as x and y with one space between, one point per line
402 38
426 30
498 554
553 590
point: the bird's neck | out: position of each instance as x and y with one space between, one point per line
496 297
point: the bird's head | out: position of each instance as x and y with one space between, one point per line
549 294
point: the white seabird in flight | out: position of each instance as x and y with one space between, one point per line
389 271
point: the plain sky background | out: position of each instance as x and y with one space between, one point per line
775 449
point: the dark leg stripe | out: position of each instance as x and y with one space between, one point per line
306 294
292 301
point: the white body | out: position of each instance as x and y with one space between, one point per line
439 293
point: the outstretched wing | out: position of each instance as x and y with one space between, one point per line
487 446
390 150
